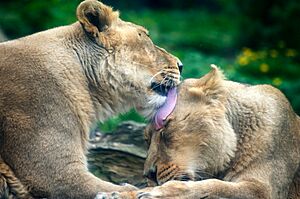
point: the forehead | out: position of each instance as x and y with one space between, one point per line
185 117
130 26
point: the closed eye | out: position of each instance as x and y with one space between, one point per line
165 137
167 122
185 117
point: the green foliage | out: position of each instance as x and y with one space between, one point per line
112 123
277 66
264 23
20 18
196 29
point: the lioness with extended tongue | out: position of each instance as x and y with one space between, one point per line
234 140
55 84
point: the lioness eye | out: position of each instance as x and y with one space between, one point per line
167 122
165 137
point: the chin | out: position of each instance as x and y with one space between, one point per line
151 105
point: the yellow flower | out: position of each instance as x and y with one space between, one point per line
274 53
277 81
264 68
242 60
291 53
247 52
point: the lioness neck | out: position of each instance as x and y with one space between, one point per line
104 85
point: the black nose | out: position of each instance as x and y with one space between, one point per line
151 174
180 66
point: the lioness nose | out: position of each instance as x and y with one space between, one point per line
151 173
180 65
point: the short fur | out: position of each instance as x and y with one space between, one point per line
55 84
234 140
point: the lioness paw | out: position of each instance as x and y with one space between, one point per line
128 187
116 195
174 190
104 195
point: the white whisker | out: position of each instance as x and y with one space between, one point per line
198 172
159 84
155 86
155 76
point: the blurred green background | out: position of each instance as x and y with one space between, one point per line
253 41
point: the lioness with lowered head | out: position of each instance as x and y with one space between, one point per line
55 84
235 141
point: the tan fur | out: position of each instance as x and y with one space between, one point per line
55 84
234 140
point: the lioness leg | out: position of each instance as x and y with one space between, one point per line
208 189
86 187
211 188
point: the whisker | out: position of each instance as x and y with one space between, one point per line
181 176
198 174
159 84
169 83
171 71
206 175
159 72
163 82
201 171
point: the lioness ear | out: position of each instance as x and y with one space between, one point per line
95 17
209 85
213 78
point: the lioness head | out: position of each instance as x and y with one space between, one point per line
130 62
196 141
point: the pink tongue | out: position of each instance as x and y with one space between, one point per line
164 111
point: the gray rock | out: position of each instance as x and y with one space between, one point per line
119 156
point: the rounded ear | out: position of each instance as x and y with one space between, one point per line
213 78
95 17
210 85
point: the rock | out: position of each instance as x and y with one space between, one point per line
119 156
